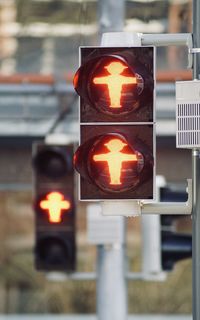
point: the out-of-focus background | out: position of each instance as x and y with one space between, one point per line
39 44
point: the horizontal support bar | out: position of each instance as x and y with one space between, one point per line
167 39
16 186
60 88
194 50
92 276
161 276
132 208
174 208
78 276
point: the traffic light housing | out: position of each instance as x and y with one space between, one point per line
55 247
110 74
125 172
175 246
116 156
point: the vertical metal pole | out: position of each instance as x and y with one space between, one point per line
196 234
196 180
196 37
111 271
111 282
111 15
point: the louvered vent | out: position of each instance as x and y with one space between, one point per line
188 114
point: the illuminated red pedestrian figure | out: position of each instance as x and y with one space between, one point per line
115 159
55 203
115 81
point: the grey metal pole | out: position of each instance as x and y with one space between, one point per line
111 15
111 283
196 235
196 180
111 276
111 270
196 37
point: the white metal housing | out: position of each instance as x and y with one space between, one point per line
103 230
188 114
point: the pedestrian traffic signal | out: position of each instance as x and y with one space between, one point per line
55 248
175 246
116 84
116 155
117 163
55 203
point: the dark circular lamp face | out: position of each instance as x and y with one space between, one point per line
113 87
114 165
51 163
53 250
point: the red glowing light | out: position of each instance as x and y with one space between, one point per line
75 80
115 158
55 203
115 81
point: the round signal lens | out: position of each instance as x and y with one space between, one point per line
113 87
52 163
114 165
55 203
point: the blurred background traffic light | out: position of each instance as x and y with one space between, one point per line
55 247
165 241
175 246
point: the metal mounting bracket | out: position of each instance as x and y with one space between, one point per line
194 50
182 208
167 39
136 208
158 40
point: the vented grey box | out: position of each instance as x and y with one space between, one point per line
188 114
